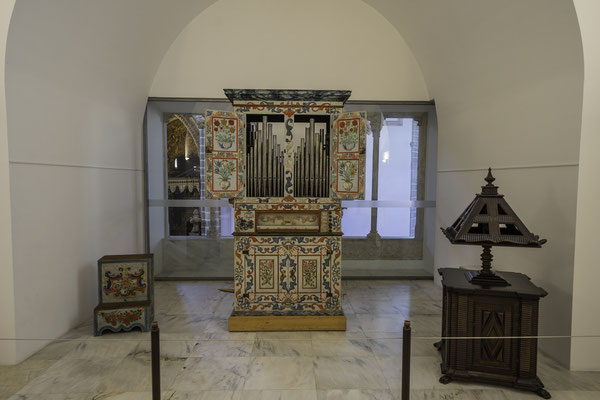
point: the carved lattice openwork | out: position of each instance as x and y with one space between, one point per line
489 221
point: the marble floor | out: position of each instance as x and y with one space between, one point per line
202 360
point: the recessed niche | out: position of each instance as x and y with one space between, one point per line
483 210
501 210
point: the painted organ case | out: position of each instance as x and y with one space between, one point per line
287 158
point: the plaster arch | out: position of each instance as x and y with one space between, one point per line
527 91
337 44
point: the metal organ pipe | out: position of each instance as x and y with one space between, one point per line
311 160
265 164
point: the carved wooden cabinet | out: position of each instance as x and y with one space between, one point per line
496 312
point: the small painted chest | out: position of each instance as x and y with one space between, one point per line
125 293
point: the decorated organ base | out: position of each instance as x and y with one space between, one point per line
287 158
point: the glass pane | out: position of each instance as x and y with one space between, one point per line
396 163
186 221
357 221
183 161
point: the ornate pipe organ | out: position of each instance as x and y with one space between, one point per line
287 158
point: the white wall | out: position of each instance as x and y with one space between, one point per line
312 44
585 353
77 79
507 80
7 298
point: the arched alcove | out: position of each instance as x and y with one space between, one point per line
339 44
507 78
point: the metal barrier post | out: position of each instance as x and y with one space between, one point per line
406 361
155 343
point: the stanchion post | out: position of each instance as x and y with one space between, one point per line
155 343
406 361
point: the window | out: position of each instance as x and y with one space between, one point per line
185 180
191 236
396 174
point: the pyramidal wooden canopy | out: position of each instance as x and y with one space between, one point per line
489 221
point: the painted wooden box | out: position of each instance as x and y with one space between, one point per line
125 293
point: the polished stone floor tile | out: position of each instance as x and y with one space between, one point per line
283 335
343 348
56 396
426 326
301 394
280 373
219 373
557 377
55 350
102 350
201 395
386 347
355 394
575 395
348 373
6 391
425 372
458 394
69 375
375 307
282 348
135 375
19 375
380 323
169 349
202 360
328 335
223 348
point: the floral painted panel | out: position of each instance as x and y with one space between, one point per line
307 273
266 274
225 174
123 282
347 176
348 155
121 319
224 154
224 134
